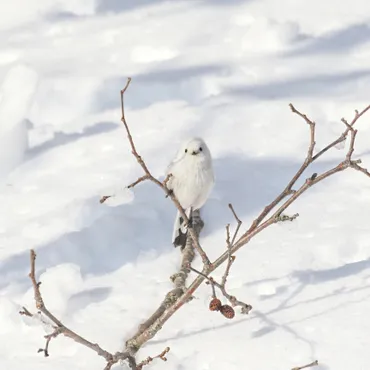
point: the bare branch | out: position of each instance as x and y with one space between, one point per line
181 294
239 223
294 110
343 136
138 181
312 131
123 119
359 168
308 160
289 188
25 312
228 243
212 282
209 280
350 128
234 213
104 198
161 356
150 177
60 328
230 261
256 227
178 279
312 364
246 308
351 145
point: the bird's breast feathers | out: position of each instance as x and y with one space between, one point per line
191 183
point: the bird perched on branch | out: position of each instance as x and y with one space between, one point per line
191 182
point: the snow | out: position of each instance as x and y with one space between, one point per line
15 98
225 71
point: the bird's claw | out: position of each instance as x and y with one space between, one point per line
190 223
169 193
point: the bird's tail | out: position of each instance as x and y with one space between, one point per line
180 230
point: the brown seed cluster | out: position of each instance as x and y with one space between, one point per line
215 304
226 310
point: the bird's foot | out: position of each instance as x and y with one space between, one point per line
190 224
169 193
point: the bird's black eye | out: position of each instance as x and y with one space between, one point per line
186 150
200 149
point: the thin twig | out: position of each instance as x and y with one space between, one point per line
351 145
210 279
312 131
359 168
230 261
104 198
149 359
308 160
289 188
25 312
138 181
350 128
228 243
246 308
343 136
312 364
212 282
60 328
239 223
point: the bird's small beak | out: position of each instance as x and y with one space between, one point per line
194 153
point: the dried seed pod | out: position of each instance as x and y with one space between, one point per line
227 311
215 304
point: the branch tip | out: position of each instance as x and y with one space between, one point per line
104 198
312 364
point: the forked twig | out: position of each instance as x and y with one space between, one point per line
230 261
257 226
60 328
239 223
308 160
149 359
246 308
163 186
183 294
138 181
312 132
343 136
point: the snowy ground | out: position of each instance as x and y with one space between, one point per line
224 70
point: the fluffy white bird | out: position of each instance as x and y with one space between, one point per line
192 181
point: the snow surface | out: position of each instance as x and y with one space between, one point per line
15 99
224 70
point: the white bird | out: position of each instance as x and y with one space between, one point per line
191 182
